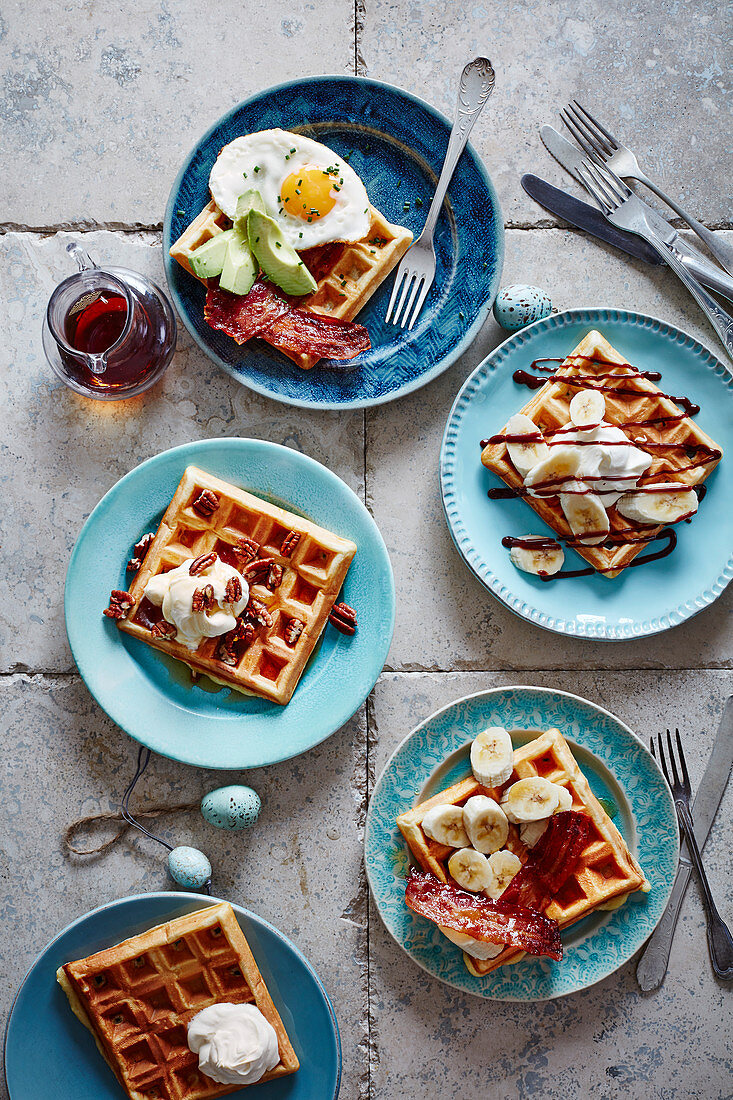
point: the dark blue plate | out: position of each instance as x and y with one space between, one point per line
396 144
48 1053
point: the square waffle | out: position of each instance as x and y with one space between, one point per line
312 578
606 872
138 997
347 274
549 409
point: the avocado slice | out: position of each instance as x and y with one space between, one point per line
240 270
208 259
249 200
278 259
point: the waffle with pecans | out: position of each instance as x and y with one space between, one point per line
549 409
606 872
294 568
347 274
138 997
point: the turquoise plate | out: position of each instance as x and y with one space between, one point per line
396 144
640 601
149 694
619 770
45 1042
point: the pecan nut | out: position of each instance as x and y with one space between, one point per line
343 618
290 541
206 503
255 612
233 590
226 651
203 598
163 629
293 631
274 577
247 549
139 551
257 571
243 632
120 604
199 564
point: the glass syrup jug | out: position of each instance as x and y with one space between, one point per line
108 333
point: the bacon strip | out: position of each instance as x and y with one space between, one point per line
551 862
244 316
477 916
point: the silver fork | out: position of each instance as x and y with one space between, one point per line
626 211
720 941
596 140
417 268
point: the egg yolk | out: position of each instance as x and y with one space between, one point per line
307 194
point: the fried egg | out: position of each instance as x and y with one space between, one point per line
313 194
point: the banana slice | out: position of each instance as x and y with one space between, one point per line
546 558
505 866
530 800
658 507
530 833
478 949
587 408
565 799
585 513
444 824
471 870
525 455
559 468
492 757
485 822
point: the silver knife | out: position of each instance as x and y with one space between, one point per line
696 262
653 963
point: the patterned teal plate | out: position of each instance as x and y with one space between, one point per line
149 694
641 601
619 770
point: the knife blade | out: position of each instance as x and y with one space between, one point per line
653 963
566 154
588 218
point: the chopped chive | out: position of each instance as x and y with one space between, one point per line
244 174
399 183
299 182
300 262
310 219
181 213
405 206
418 202
257 167
277 244
300 234
292 150
460 315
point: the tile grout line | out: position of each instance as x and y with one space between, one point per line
129 228
69 674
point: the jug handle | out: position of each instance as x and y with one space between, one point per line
83 259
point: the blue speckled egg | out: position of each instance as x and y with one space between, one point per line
519 305
231 807
189 867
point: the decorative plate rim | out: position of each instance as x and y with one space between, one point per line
357 403
459 535
117 714
423 725
182 896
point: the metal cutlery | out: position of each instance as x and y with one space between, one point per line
416 272
654 960
624 210
720 941
600 144
571 159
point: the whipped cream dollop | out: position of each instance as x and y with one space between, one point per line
173 593
235 1044
595 458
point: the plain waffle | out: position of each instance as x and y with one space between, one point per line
347 274
312 575
606 871
138 997
549 409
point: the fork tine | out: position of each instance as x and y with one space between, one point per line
599 126
595 190
662 759
651 746
683 762
395 287
409 276
614 182
419 303
672 760
584 138
419 279
607 185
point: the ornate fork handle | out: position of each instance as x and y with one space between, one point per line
476 85
719 248
720 941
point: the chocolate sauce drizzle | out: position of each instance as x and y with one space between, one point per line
546 543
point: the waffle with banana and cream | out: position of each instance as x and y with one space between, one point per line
604 457
524 832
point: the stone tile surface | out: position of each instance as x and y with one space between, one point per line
449 621
658 77
609 1040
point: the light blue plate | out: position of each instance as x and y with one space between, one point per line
643 600
396 144
149 694
44 1042
618 768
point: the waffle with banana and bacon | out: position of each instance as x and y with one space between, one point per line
644 408
347 274
295 570
138 997
606 872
